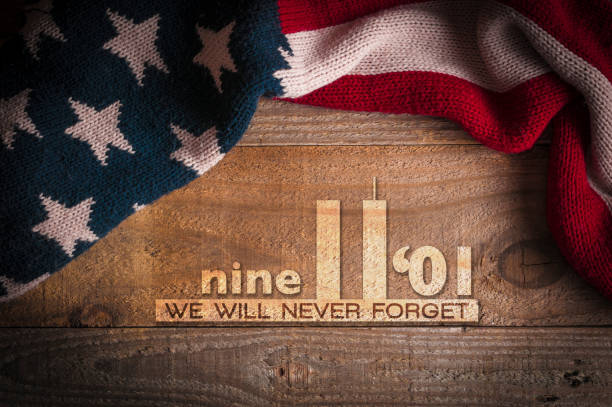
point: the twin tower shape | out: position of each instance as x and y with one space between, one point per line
374 248
375 255
328 306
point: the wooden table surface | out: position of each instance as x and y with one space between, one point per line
88 336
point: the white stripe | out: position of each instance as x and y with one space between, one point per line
597 91
490 45
446 37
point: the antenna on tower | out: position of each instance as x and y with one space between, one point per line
374 188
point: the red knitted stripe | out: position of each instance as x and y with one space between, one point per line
303 15
510 122
585 28
578 218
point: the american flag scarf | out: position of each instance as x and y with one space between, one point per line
107 105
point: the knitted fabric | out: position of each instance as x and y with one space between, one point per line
107 105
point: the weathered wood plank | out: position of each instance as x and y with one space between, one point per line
278 123
258 207
306 367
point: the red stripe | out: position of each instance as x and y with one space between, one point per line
578 218
585 28
509 122
304 15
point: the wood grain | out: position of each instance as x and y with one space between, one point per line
278 123
258 207
490 201
306 367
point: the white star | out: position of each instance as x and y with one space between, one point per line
138 207
38 22
15 289
215 52
13 116
136 43
66 225
99 129
198 153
